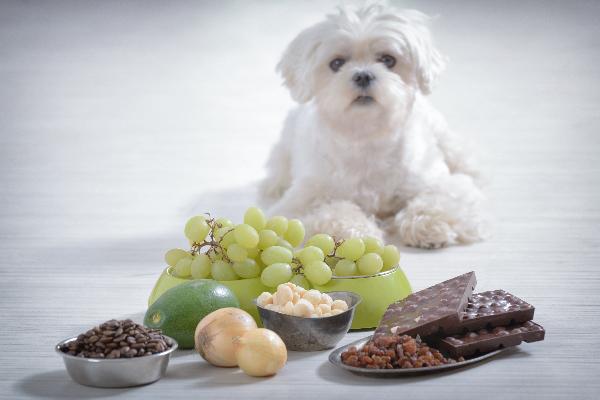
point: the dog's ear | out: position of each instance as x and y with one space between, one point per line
298 63
427 61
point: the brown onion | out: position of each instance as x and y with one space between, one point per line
217 333
260 352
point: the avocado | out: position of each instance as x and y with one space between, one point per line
179 310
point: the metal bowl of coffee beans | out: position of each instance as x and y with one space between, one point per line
117 354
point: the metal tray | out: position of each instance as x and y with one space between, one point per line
335 359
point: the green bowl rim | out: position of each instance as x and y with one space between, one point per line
170 268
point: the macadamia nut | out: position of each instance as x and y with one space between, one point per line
264 299
294 300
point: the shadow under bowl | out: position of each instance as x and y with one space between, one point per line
312 334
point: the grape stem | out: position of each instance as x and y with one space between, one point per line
214 245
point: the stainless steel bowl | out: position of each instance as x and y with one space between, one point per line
312 334
119 372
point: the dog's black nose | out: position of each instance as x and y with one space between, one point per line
363 79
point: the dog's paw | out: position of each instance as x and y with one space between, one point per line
427 231
341 219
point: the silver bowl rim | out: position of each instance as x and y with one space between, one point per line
170 269
358 301
173 347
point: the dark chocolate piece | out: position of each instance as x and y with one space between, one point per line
434 310
486 340
495 308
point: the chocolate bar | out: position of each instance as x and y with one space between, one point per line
495 308
435 310
484 340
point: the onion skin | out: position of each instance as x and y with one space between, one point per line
260 352
217 333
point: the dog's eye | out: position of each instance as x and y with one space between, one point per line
387 60
336 64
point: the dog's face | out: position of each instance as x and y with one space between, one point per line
362 68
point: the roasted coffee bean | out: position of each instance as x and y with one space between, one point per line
114 354
119 338
116 339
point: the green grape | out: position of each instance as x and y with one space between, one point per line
276 254
247 269
390 256
317 272
369 264
196 229
253 252
295 232
331 261
174 255
345 267
310 254
223 222
278 224
322 241
284 243
183 268
300 280
260 262
235 252
267 238
352 249
373 245
246 236
276 274
255 218
225 236
200 268
222 271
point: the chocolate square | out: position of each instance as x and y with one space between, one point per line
486 340
435 310
495 308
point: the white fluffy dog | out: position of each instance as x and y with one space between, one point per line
365 152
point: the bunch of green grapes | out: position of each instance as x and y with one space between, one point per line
363 256
269 249
223 251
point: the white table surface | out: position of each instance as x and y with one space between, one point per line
118 120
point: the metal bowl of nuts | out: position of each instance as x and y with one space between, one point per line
117 354
311 333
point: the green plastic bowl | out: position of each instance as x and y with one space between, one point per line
246 290
377 292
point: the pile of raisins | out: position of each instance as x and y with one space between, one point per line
388 352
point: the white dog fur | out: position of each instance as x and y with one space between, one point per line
363 160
